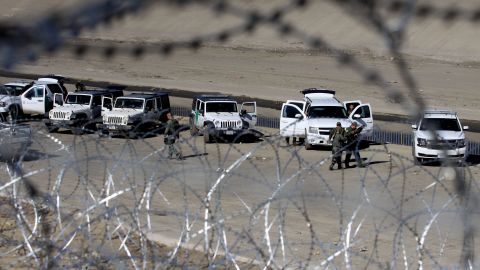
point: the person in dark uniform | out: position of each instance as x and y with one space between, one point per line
337 137
352 135
171 136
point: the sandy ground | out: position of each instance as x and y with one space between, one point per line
363 207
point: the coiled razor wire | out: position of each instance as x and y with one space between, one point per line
89 202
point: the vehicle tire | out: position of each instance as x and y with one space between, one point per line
308 146
301 141
207 133
51 129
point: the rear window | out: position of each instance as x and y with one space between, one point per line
11 90
440 124
55 88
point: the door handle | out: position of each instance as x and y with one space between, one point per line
40 100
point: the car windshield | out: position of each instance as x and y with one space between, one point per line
440 124
326 112
11 90
78 99
129 103
221 107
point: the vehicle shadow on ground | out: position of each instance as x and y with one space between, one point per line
472 160
34 155
195 155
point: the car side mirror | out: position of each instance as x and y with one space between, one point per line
298 116
414 127
466 127
243 111
356 116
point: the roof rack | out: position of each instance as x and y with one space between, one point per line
317 91
435 111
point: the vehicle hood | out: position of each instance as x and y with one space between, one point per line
328 123
124 112
441 134
223 116
74 108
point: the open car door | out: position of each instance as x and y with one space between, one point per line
292 121
351 105
248 113
57 100
107 104
363 115
34 100
299 103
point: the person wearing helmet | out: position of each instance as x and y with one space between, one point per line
352 135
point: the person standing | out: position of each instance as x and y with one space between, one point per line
352 135
337 137
171 135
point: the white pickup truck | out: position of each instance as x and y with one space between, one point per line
34 98
311 119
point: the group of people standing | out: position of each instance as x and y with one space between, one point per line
345 139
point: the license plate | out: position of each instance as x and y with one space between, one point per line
229 132
112 127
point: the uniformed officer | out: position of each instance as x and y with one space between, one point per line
171 135
337 137
352 135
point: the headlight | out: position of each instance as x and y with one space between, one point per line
73 116
127 120
421 142
67 115
461 143
217 123
239 123
3 104
312 130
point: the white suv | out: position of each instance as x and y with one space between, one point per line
450 137
10 100
313 118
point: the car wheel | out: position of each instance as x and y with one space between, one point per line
207 133
52 129
308 146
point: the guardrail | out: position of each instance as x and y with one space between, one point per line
380 136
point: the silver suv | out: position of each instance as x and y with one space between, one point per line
449 142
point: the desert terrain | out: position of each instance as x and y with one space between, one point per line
264 202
